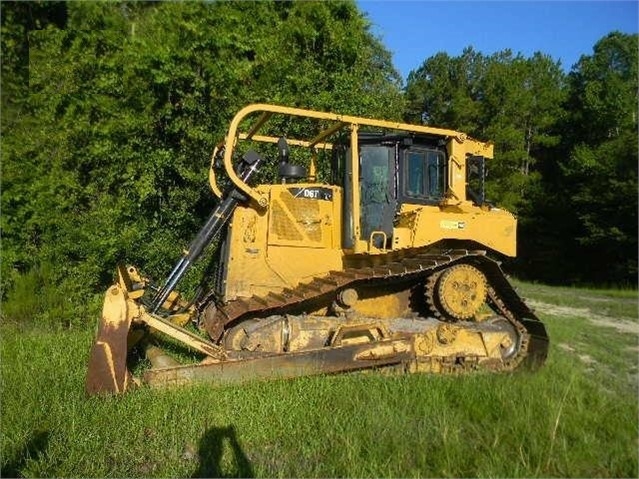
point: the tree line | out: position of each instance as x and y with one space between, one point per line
110 111
566 150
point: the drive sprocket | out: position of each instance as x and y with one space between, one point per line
458 292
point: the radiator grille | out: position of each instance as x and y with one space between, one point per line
305 213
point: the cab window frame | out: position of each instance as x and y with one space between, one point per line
423 196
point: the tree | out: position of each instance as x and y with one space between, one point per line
522 104
600 167
510 100
108 160
446 91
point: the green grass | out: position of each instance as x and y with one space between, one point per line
575 417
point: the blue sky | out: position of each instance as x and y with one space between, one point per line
565 30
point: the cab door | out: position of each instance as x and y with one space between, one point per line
378 199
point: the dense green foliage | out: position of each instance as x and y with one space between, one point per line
110 112
600 169
575 417
110 116
565 150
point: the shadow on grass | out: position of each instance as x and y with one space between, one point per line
211 449
31 450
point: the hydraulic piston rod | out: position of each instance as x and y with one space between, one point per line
214 224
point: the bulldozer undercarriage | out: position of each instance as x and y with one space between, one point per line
453 311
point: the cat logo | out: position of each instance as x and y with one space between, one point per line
452 225
313 193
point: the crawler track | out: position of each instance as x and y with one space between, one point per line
414 266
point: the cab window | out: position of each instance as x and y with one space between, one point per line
424 174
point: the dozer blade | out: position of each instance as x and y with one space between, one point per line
107 365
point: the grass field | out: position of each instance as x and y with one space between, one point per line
576 417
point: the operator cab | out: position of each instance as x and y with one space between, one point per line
393 170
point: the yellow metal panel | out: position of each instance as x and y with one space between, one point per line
299 265
390 305
456 171
402 238
247 255
293 240
495 228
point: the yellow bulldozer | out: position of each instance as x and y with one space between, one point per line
374 248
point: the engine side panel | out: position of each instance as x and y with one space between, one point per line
422 225
294 240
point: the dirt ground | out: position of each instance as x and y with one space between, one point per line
624 325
